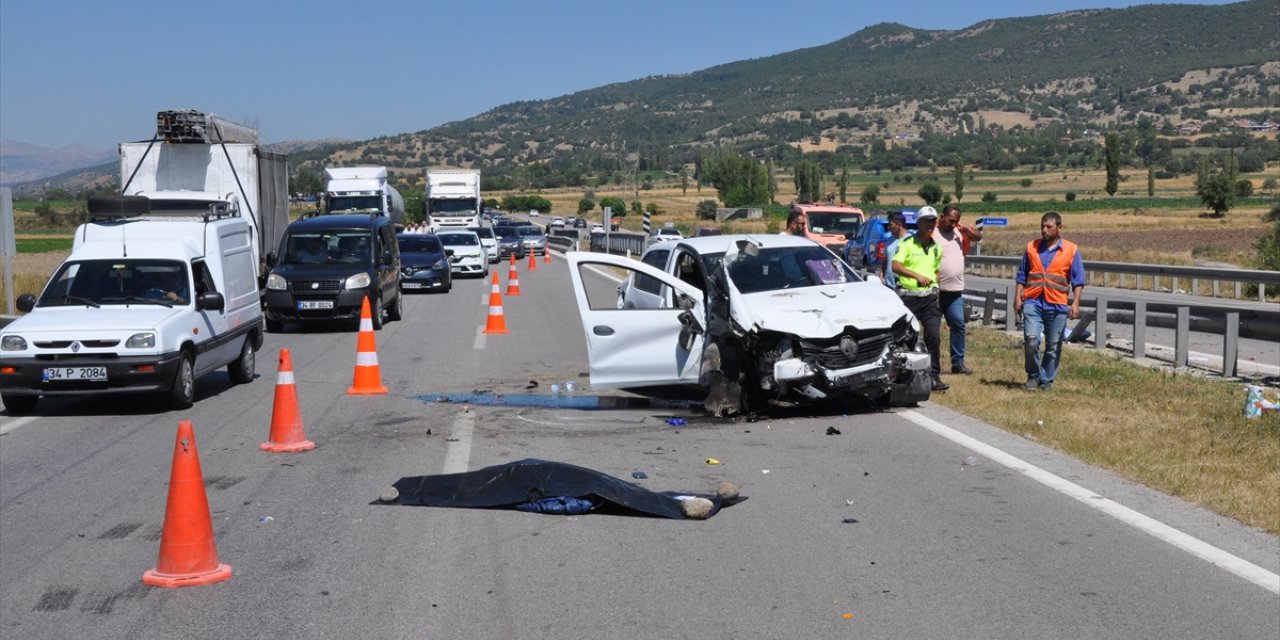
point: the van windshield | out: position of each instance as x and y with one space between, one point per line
117 281
328 246
842 223
355 203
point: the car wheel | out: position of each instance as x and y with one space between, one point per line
395 312
183 393
375 312
242 368
19 405
448 285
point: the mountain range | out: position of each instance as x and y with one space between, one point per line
1076 71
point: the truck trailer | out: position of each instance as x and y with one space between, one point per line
199 162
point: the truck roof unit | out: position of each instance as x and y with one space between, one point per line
191 125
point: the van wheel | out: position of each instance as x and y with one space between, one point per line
395 312
375 311
19 405
242 368
183 393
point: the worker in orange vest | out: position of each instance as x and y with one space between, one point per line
1051 268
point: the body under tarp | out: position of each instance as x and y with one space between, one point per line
517 484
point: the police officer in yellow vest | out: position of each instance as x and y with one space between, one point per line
916 264
1051 267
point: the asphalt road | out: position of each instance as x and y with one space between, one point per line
917 523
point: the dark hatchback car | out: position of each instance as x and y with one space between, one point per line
509 241
424 264
328 264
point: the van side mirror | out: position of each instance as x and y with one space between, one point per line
272 258
26 302
211 301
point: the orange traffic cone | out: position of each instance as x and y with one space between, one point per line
368 381
287 433
533 260
546 254
497 322
188 554
513 279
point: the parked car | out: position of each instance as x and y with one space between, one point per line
750 320
866 250
509 241
468 254
424 264
533 238
488 240
358 257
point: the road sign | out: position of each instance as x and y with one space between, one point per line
993 222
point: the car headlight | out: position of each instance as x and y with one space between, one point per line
13 343
141 341
357 281
276 282
440 265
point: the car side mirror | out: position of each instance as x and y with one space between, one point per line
683 301
689 329
26 302
272 259
211 301
448 253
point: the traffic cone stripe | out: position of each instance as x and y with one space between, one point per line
284 377
366 324
366 359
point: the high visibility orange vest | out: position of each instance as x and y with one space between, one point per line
1054 282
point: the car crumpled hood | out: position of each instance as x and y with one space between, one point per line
818 312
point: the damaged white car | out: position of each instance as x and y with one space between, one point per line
754 320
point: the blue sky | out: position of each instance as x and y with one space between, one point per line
95 73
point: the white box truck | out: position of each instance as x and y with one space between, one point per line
197 161
148 301
360 190
453 198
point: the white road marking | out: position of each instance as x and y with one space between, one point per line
13 424
458 455
1203 550
480 338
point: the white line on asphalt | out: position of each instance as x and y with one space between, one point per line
13 424
1203 550
458 455
479 341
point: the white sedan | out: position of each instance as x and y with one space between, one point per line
750 320
468 253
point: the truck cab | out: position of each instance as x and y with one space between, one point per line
148 301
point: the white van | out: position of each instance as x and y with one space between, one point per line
148 301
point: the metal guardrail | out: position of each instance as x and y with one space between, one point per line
1101 274
1232 323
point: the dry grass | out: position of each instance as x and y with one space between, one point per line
1180 434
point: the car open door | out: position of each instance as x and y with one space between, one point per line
636 347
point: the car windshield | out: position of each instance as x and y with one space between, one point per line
355 203
529 231
458 239
327 246
483 232
419 244
787 268
117 281
820 222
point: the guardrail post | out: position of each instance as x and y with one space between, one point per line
1238 290
1215 288
1139 329
989 307
1195 286
1010 316
1230 344
1100 324
1182 337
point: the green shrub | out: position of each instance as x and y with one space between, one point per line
1071 196
989 196
1024 183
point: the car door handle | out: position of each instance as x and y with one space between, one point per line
602 330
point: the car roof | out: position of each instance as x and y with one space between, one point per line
341 221
454 232
716 244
